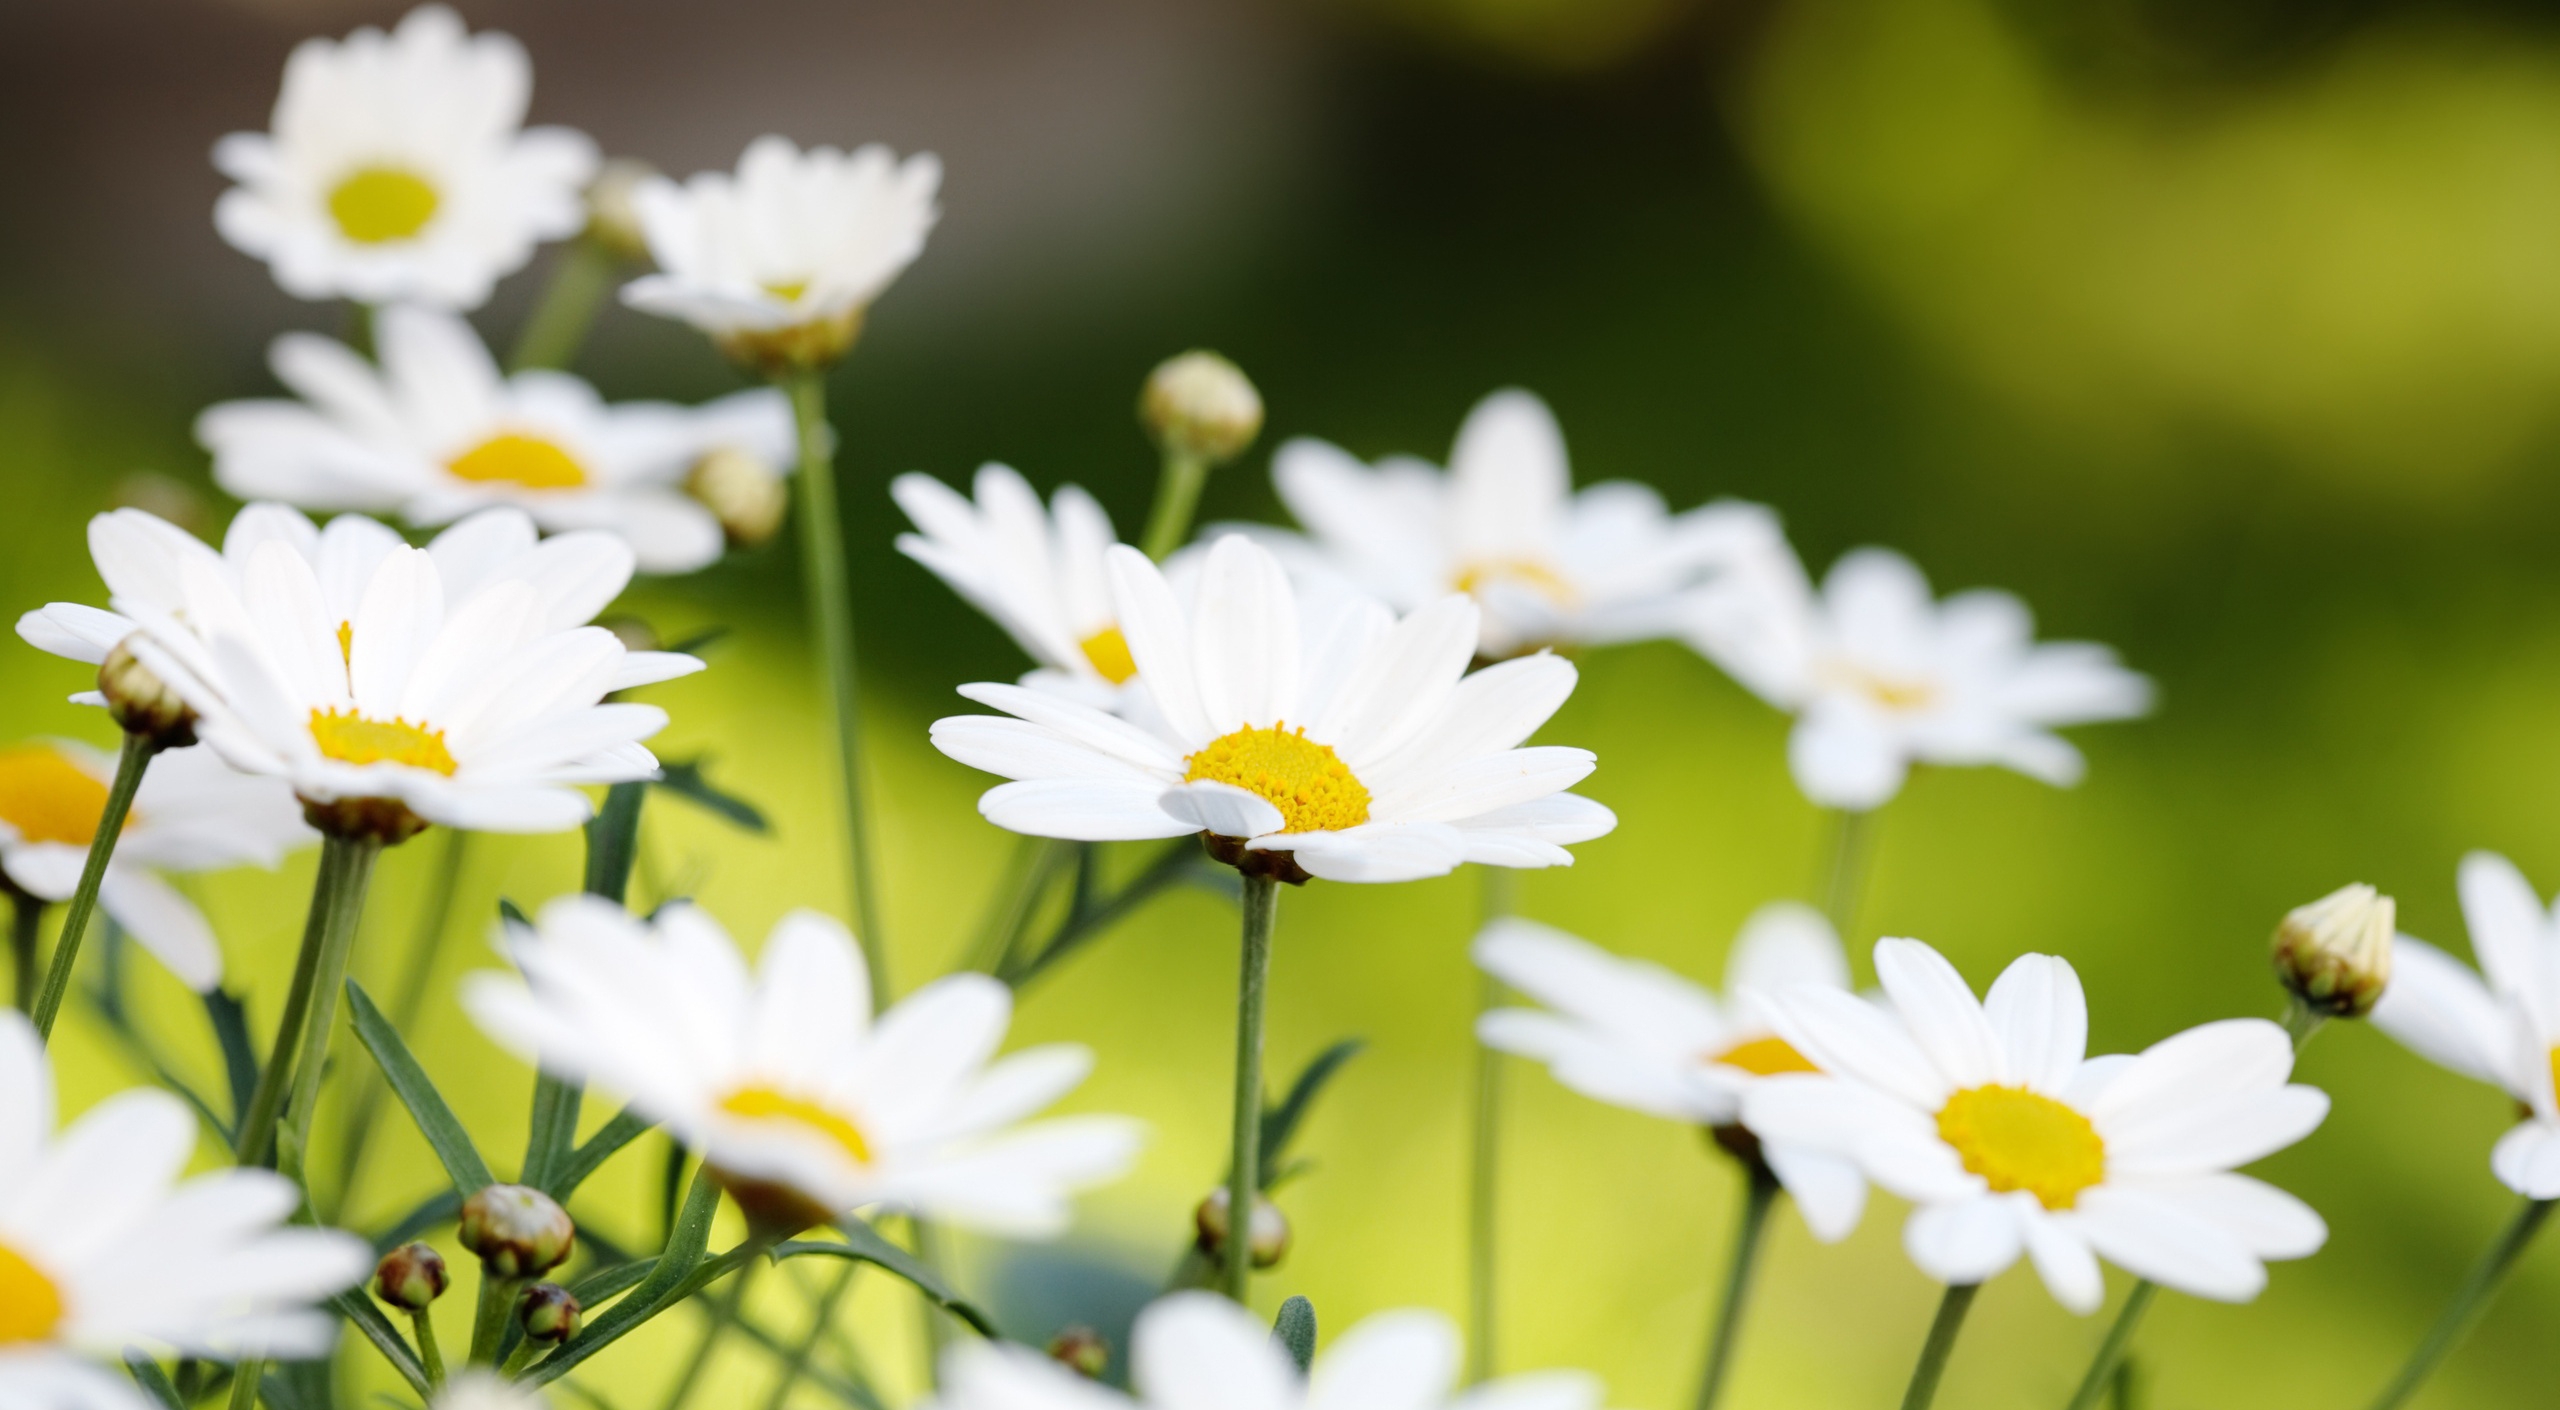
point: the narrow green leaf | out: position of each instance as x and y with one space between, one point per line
842 1387
239 1051
593 1289
622 1130
1280 1122
409 1082
863 1244
692 645
553 1131
439 1209
512 913
148 1375
1295 1330
686 780
613 841
664 1285
368 1319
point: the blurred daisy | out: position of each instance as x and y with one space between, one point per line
785 1084
398 168
1639 1036
1880 676
1037 573
101 1247
193 813
1550 567
438 432
778 262
485 1390
1986 1115
1349 750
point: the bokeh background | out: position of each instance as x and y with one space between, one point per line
2226 333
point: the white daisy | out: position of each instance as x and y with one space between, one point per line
1038 573
1880 676
1199 1351
1639 1036
1987 1116
484 1390
399 168
101 1247
2505 1031
438 432
779 261
193 813
1549 566
783 1081
1349 750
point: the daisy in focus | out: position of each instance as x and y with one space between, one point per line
103 1249
1346 747
1549 566
398 168
1637 1035
1881 676
193 813
1987 1116
437 432
778 262
805 1105
1196 1349
1036 572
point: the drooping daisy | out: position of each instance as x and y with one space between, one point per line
1348 749
1549 566
1637 1035
1195 1350
1987 1116
398 168
102 1248
786 1085
193 813
1880 676
438 432
1038 573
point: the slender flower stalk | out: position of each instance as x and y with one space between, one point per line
1844 873
430 1355
1202 412
1759 1195
559 324
337 902
2109 1361
1941 1343
1177 499
1484 1169
26 920
408 999
130 763
1261 912
2469 1303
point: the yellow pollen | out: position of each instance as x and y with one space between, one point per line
761 1103
2021 1140
514 458
30 1305
346 643
1764 1057
48 798
1313 789
1109 653
1475 577
351 738
788 290
1893 693
379 204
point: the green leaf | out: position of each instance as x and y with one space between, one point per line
613 841
1295 1330
148 1375
622 1130
665 1285
368 1319
692 645
553 1130
686 780
239 1051
1280 1122
438 1209
512 913
603 1283
863 1244
409 1082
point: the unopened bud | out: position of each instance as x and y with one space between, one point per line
410 1277
1267 1242
550 1313
1201 404
2335 953
613 216
518 1231
1082 1350
746 495
142 702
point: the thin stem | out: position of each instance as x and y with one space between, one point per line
723 1313
2110 1358
2470 1301
558 327
430 1355
2301 1020
1484 1166
937 1332
244 1384
796 1364
346 914
1035 861
1177 496
1942 1341
258 1126
498 1298
1244 1183
130 763
1844 875
831 612
613 841
26 923
408 999
1170 866
1759 1195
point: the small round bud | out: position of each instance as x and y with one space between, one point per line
745 494
1201 404
613 213
1268 1242
2335 953
518 1231
410 1277
142 702
550 1313
1082 1350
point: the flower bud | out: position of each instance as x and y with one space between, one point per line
1201 404
1082 1350
2335 953
613 215
1268 1242
518 1231
746 495
142 702
410 1277
550 1313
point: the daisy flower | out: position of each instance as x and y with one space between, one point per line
101 1247
1880 676
778 262
1549 566
398 168
782 1080
1193 1350
193 813
1036 572
1349 749
437 432
1986 1115
1637 1035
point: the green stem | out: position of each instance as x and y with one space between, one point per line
130 763
498 1298
558 327
2301 1020
26 922
831 611
1177 497
430 1355
1844 875
796 1364
613 841
723 1313
1942 1341
1170 866
2469 1302
1244 1183
2103 1367
408 999
1035 861
346 914
258 1125
1484 1166
937 1331
244 1384
1759 1195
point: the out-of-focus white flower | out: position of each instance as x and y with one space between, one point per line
193 813
437 432
1881 676
484 1390
1038 573
398 167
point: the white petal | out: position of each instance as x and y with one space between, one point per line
1944 1018
1392 1361
2042 1017
2441 1011
2150 1234
2063 1259
1222 808
1198 1351
1966 1241
1082 810
1829 1190
2527 1159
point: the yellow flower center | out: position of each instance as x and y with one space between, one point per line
514 458
48 798
788 290
379 204
30 1305
2021 1140
1108 650
1310 785
1764 1057
351 738
758 1102
1475 577
1897 694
